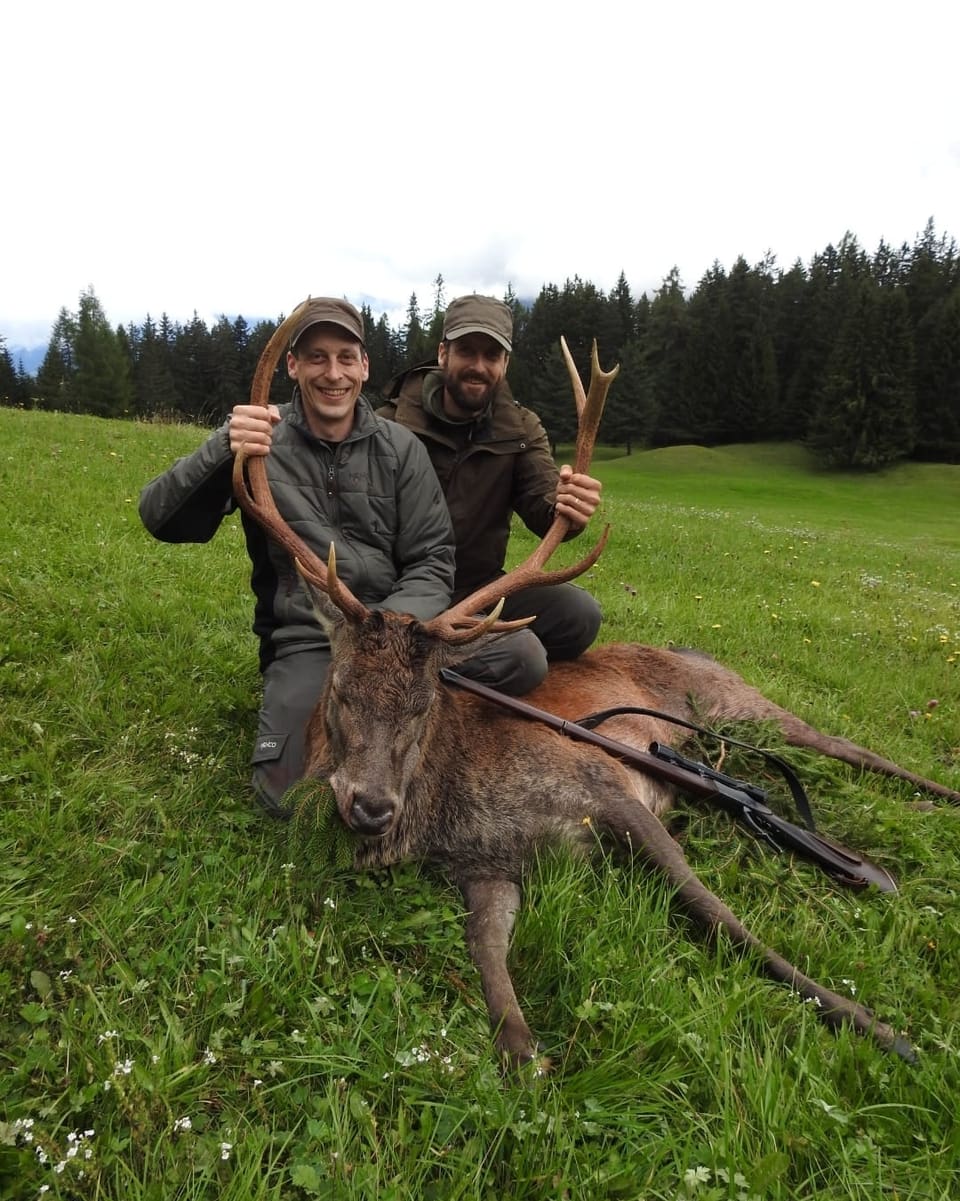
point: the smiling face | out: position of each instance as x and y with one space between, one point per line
473 368
331 369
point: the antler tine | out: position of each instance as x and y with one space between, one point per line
589 415
256 499
459 623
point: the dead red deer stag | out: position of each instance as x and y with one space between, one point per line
421 771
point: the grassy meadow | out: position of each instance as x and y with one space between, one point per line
191 1008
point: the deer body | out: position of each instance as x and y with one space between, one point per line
420 771
424 772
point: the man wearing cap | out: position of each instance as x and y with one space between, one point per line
338 473
493 459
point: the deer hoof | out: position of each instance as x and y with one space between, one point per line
900 1046
528 1063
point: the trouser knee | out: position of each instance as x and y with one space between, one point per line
581 623
567 619
515 663
291 690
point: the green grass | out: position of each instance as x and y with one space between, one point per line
167 954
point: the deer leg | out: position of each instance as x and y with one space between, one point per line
798 733
492 905
719 692
645 835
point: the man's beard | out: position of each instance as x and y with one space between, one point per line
472 402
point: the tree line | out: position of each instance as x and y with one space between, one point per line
855 355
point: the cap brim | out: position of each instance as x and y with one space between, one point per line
461 330
326 321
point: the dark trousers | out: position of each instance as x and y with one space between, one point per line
291 690
567 619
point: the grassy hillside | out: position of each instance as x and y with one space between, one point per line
191 1008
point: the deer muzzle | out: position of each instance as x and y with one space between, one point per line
371 816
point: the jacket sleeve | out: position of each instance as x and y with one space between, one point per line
189 500
424 552
535 481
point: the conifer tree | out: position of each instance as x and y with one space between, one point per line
415 346
9 384
790 418
521 317
630 414
193 371
102 384
155 392
382 354
937 378
548 394
57 372
864 415
281 385
231 371
708 360
752 385
666 348
433 332
622 315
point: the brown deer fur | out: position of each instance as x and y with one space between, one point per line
421 771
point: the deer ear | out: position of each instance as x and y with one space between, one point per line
327 613
451 653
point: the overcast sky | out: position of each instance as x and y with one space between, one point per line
234 158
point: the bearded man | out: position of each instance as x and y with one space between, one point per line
492 458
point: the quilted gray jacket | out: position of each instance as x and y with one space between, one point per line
375 495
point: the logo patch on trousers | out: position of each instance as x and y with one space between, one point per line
269 747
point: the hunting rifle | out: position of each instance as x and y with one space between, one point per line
746 802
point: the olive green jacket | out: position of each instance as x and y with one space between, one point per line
489 469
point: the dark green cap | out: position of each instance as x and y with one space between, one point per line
479 315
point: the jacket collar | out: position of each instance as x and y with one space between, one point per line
503 421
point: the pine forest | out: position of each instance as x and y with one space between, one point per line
857 356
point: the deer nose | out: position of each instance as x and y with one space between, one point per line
370 815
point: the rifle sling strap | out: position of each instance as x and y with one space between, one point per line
797 791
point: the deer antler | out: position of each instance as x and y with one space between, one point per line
252 488
460 624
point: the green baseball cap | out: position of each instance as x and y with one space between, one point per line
479 315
